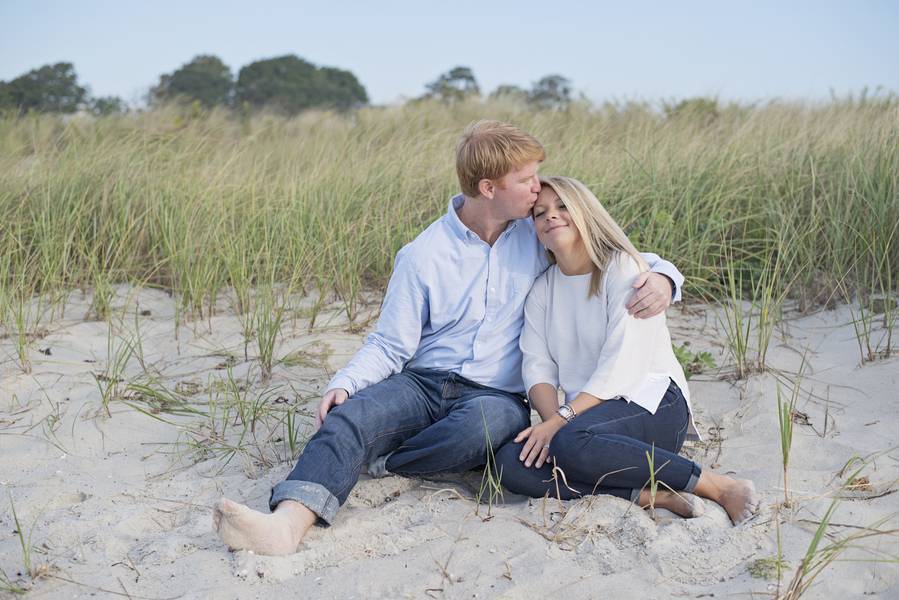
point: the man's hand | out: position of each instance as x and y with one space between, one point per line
652 297
332 398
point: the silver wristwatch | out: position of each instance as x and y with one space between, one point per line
566 412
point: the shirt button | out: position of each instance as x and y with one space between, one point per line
492 290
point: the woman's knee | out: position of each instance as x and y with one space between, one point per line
568 443
507 455
512 471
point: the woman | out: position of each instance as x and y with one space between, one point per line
626 398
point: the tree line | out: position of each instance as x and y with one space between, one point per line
287 84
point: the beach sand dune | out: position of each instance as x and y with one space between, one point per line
116 498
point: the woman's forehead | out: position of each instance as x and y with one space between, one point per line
547 195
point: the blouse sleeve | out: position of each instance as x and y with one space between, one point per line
626 355
537 365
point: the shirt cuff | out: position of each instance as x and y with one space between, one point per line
529 383
342 382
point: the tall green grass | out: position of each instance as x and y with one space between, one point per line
775 201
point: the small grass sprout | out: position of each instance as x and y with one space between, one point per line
491 488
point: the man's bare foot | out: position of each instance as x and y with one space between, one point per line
683 504
736 496
243 528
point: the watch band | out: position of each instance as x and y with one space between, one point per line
567 412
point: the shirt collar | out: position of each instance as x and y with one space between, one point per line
456 224
460 229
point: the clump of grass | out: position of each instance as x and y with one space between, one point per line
766 568
786 412
111 382
653 483
232 421
825 547
693 363
269 315
491 488
30 569
785 426
799 198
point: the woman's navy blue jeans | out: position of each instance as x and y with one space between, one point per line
604 451
417 422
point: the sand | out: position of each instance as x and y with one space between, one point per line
119 503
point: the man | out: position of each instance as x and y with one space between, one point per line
440 378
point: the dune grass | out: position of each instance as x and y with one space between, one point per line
755 204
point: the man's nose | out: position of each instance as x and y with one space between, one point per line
535 185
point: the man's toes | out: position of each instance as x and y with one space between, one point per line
227 508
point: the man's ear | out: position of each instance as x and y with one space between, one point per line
486 188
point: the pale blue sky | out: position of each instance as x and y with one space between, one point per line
649 50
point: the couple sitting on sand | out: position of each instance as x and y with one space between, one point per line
524 285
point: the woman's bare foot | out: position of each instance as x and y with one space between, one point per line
740 500
683 504
736 496
243 528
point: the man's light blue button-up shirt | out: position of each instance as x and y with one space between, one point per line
455 303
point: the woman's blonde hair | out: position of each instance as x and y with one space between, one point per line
602 236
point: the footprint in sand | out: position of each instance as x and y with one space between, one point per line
371 493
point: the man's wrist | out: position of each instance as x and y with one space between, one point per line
672 284
337 389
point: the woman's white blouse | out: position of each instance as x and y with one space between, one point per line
591 344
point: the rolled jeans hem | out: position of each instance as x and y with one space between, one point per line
313 496
378 467
694 479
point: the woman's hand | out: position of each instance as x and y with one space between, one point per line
538 437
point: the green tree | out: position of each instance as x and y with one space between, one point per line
508 92
703 110
6 101
340 88
551 92
51 88
205 79
107 105
291 84
456 84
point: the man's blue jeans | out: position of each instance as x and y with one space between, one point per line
604 451
423 421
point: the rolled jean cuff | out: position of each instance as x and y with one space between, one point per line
378 467
313 496
694 479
